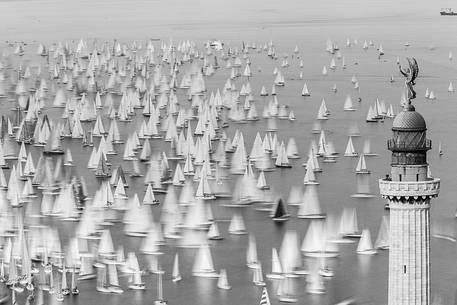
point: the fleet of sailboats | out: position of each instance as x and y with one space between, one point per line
143 115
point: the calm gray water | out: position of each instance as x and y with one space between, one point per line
287 24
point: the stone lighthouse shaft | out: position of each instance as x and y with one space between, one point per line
408 191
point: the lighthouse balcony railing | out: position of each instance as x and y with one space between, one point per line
394 146
428 187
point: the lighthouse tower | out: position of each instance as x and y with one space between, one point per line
408 191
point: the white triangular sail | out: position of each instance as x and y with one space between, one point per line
362 166
365 245
276 268
251 252
203 264
222 282
350 150
348 104
176 275
310 205
383 240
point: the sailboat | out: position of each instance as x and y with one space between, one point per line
176 275
203 264
213 232
362 166
289 254
348 105
114 286
149 197
222 282
324 71
53 144
382 241
103 169
365 245
136 282
350 150
251 253
101 279
371 115
323 112
203 190
440 149
348 224
68 158
279 212
310 205
332 65
261 182
315 242
263 91
305 91
237 226
310 176
292 116
292 150
276 268
279 80
282 160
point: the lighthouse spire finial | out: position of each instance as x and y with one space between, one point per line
410 75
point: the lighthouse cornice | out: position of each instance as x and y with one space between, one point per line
409 189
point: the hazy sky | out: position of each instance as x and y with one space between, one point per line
81 17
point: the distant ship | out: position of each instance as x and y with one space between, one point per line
447 12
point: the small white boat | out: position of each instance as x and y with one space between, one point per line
365 245
203 264
222 282
305 91
251 253
176 275
348 224
348 104
350 150
310 206
362 166
276 268
382 241
237 226
213 232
